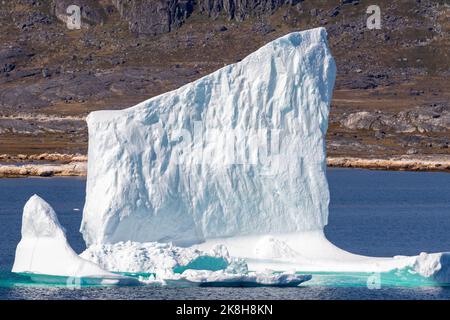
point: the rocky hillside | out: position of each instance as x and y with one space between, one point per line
156 17
392 93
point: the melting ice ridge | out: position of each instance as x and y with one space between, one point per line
219 177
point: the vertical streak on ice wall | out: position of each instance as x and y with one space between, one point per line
145 183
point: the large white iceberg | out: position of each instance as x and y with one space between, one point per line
238 152
234 159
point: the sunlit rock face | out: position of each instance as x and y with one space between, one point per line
238 152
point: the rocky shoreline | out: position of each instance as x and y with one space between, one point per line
42 165
66 165
406 163
43 170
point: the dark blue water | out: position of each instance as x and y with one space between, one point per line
374 213
386 213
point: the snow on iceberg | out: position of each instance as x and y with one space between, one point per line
44 250
205 278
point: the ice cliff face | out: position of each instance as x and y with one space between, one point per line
238 152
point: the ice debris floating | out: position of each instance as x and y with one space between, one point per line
235 159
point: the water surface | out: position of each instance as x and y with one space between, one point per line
377 213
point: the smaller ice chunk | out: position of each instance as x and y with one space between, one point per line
44 249
433 265
252 279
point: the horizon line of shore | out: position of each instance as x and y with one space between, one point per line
56 164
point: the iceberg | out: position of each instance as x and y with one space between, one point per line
238 152
44 250
215 183
45 256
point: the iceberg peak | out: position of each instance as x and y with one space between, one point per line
39 220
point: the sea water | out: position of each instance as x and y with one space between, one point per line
376 213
